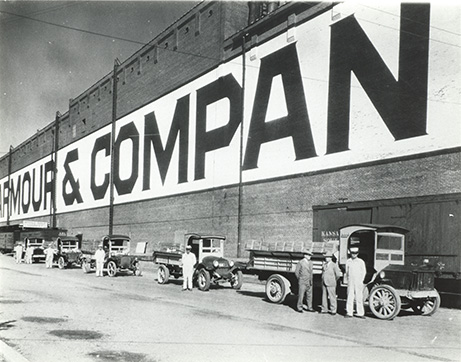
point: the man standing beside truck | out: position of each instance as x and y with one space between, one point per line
18 253
305 277
330 275
355 274
100 256
188 262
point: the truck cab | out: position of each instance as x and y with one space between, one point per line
390 283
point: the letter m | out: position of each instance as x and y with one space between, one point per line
179 129
402 103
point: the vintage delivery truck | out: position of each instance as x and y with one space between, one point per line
211 267
117 257
68 251
390 283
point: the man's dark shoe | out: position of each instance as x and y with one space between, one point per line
184 290
299 310
360 316
310 310
332 313
347 316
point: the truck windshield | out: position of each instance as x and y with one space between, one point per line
389 242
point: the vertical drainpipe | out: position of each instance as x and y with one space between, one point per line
55 167
240 189
8 207
112 147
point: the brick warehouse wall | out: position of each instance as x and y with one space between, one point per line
273 210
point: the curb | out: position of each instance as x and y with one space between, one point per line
9 354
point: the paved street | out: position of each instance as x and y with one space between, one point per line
66 315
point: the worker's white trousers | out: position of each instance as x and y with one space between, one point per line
355 291
99 268
187 279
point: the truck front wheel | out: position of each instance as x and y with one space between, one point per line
86 266
61 263
277 288
163 274
111 269
203 280
384 302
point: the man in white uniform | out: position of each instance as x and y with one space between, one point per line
49 256
188 261
99 256
355 274
18 253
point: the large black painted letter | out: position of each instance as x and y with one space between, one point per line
102 143
224 87
402 104
179 125
74 195
128 131
296 124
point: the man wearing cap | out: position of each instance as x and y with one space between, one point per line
330 275
304 274
18 253
99 256
188 262
49 256
355 274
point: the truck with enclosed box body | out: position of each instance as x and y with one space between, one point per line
389 284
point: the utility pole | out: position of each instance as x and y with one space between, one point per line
240 186
112 146
8 207
55 166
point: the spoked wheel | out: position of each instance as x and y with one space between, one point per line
277 288
203 280
137 271
86 267
111 268
426 306
384 302
163 274
61 263
237 280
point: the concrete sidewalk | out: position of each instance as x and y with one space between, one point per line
9 354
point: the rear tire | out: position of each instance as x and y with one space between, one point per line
237 280
277 288
163 274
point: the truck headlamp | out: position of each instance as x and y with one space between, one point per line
215 263
382 274
231 263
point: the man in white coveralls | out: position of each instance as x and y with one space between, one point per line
188 261
355 274
99 256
